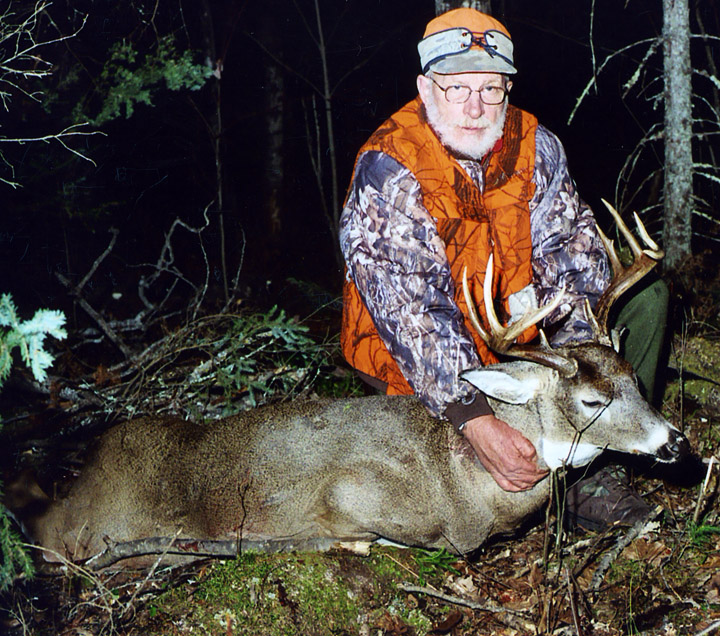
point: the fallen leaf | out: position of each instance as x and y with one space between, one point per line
535 577
450 621
392 625
654 553
465 586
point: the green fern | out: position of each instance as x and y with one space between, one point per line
29 337
14 560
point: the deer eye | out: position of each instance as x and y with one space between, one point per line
593 404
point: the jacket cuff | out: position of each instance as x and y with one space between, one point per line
461 412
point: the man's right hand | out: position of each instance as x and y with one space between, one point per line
505 452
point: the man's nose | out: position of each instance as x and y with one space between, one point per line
474 106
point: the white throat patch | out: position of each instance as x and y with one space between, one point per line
559 454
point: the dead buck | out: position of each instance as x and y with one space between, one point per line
308 475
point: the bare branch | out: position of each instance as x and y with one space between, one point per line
642 526
503 614
27 53
654 44
102 323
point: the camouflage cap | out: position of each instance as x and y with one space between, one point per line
466 41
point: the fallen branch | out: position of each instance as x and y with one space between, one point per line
503 614
709 629
201 548
638 529
102 323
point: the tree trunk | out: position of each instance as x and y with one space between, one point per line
272 35
441 6
215 125
678 190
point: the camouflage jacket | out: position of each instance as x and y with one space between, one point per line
390 242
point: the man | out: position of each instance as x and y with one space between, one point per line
454 176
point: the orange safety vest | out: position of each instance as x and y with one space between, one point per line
471 224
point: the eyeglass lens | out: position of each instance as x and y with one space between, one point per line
490 95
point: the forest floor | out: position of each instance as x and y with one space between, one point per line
661 577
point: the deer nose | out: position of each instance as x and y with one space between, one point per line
675 448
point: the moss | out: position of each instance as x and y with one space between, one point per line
697 362
288 594
387 563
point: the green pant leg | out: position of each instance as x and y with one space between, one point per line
644 316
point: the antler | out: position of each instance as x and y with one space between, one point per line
501 339
623 277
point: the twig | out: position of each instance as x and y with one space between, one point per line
709 629
593 548
166 264
76 292
95 316
106 594
98 260
150 573
552 499
503 614
387 555
572 589
701 496
621 544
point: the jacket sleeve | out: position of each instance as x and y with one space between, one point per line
398 264
567 250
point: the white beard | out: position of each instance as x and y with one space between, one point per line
467 145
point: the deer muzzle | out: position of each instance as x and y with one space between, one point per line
675 448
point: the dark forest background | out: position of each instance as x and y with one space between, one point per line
171 174
242 162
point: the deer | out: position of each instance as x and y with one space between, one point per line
314 474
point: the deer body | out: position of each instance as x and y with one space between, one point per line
307 474
354 469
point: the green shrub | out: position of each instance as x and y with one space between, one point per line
29 337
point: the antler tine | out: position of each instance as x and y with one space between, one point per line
623 277
624 229
612 254
501 339
653 249
472 310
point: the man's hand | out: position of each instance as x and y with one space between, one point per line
507 454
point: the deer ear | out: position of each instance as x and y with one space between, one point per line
504 386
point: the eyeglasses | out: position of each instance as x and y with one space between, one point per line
458 93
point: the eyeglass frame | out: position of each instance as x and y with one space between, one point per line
445 89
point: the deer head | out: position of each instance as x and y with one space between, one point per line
590 393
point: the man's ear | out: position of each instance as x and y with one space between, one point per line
424 86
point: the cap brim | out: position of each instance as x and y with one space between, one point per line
472 61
